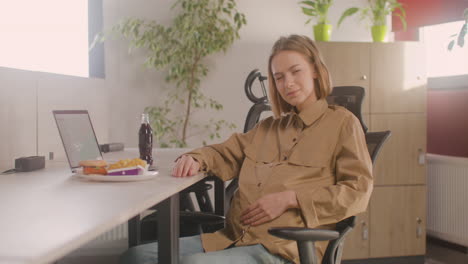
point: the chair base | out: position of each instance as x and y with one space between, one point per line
400 260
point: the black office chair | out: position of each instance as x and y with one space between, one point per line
351 98
306 237
374 141
260 104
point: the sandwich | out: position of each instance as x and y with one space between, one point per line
94 167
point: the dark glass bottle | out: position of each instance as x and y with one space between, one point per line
145 139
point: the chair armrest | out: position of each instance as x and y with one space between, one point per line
201 218
303 234
198 187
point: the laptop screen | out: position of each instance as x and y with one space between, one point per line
78 137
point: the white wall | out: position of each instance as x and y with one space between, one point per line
26 103
27 98
266 21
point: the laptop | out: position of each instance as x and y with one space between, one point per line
78 137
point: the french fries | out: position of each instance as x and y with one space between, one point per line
126 163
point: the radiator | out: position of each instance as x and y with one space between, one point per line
117 233
120 232
110 244
447 198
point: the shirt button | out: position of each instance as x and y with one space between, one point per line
294 139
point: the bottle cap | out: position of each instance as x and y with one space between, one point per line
145 118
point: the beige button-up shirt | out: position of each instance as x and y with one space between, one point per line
320 153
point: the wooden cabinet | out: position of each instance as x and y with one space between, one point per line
398 78
349 65
394 77
356 245
398 221
401 161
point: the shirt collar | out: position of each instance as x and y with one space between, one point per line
313 112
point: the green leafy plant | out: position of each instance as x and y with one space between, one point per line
317 10
376 12
200 28
460 37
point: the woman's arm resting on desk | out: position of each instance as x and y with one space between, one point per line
225 159
185 166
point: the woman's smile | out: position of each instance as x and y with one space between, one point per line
292 93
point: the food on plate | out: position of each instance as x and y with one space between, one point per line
94 167
125 163
134 166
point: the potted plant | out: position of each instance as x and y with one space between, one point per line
460 37
199 29
319 10
377 12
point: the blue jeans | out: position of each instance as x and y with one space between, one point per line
191 252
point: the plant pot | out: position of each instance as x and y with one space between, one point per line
379 33
322 32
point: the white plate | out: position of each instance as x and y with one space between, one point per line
107 178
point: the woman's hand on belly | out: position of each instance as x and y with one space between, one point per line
269 207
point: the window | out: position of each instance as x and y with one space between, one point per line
445 69
49 35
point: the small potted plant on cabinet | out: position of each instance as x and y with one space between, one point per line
319 10
377 12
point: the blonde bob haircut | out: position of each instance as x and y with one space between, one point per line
308 49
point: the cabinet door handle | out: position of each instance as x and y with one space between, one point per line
421 157
365 231
419 230
364 77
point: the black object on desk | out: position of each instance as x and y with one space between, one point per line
25 164
110 147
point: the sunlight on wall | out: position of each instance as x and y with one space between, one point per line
441 61
46 35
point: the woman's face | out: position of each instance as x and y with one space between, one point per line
294 78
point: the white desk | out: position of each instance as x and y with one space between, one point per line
48 213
